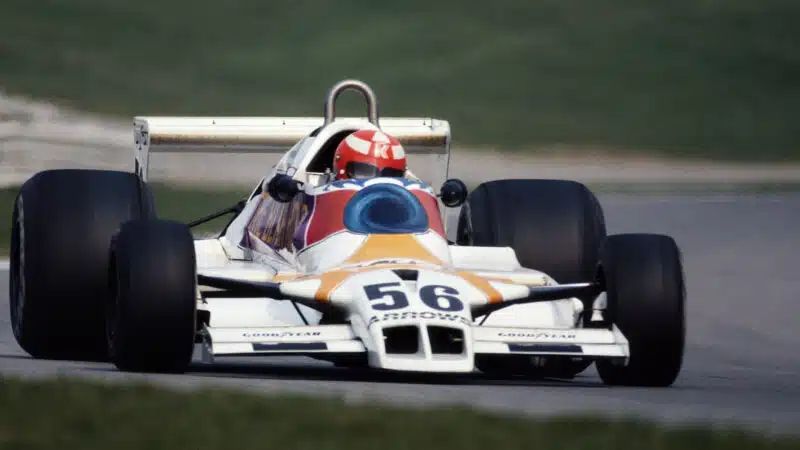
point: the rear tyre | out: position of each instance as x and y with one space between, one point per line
62 225
556 226
151 318
644 282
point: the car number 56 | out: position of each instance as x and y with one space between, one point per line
389 296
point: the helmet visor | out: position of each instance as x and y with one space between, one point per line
363 170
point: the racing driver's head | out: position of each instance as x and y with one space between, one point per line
369 153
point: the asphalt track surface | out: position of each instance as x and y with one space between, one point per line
742 364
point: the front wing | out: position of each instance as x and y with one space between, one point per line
341 339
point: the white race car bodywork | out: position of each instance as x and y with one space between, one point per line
412 289
241 326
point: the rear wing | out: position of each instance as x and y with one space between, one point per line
266 135
279 134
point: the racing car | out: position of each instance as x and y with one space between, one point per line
368 273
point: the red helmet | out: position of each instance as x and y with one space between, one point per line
368 153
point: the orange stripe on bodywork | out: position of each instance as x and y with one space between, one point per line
392 246
329 282
483 285
388 247
284 277
333 279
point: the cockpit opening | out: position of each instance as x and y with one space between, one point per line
323 161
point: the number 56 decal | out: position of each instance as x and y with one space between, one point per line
388 297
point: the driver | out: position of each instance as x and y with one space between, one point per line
370 153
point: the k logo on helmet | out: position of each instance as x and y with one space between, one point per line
369 153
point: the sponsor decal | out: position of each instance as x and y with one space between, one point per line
538 335
429 315
280 334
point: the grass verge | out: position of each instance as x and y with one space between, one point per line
65 413
712 78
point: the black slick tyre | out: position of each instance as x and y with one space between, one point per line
151 316
555 226
62 225
646 295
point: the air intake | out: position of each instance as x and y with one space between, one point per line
402 340
446 341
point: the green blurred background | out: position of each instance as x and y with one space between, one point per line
713 78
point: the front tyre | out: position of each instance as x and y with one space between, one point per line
151 317
644 281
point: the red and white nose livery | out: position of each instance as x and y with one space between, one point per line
369 153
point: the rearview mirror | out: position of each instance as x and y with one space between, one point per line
283 188
453 193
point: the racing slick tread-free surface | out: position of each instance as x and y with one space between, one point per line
646 300
61 243
151 319
555 226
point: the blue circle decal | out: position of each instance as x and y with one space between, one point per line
385 209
